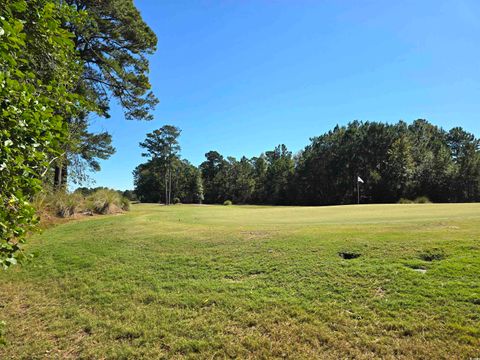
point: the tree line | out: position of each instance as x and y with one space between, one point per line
62 61
394 161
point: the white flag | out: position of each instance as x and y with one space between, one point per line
360 179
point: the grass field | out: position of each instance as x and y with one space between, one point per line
250 282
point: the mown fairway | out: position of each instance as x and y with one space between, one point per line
250 282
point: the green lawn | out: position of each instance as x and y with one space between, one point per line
250 282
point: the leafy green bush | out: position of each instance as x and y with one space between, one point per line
32 126
176 201
228 202
418 200
422 200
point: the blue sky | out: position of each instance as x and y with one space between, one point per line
242 76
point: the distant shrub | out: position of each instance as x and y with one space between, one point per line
125 203
422 200
228 202
130 195
176 201
106 201
405 201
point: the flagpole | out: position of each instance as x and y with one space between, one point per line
358 191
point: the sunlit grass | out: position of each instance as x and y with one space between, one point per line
251 282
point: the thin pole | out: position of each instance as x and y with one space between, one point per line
166 188
358 191
170 186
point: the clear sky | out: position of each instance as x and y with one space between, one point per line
242 76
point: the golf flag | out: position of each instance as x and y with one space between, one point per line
360 179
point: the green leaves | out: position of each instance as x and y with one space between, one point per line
32 125
113 41
19 6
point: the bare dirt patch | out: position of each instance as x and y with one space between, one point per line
254 235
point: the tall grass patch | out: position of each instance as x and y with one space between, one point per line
65 204
106 201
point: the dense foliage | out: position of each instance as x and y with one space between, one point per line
395 161
162 148
165 177
186 182
33 108
263 179
60 61
113 43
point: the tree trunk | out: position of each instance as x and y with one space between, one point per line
57 180
64 174
60 176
